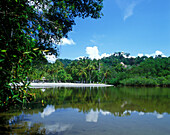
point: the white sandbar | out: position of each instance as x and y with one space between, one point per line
40 85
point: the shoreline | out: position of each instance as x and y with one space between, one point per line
48 85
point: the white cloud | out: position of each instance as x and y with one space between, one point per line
63 41
93 41
80 57
93 53
66 41
153 54
129 10
127 7
140 54
51 58
105 55
48 111
158 53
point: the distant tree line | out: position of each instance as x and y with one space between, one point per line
118 69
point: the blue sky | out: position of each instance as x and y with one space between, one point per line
139 27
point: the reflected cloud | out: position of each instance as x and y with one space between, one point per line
123 104
141 113
158 116
16 119
104 112
92 116
126 113
43 90
48 110
52 129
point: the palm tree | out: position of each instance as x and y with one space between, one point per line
82 74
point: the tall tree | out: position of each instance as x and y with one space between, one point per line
31 26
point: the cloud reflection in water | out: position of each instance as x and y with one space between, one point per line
55 128
92 116
48 111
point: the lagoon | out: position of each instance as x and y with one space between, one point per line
91 111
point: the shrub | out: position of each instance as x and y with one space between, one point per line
166 83
139 81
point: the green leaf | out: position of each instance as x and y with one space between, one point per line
12 92
34 54
24 101
46 50
39 27
2 60
35 49
15 96
7 98
19 25
26 52
19 100
30 60
3 50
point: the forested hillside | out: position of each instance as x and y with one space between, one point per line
118 69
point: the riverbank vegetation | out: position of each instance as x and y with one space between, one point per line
117 69
30 29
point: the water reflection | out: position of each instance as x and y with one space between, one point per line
91 111
43 90
158 116
92 116
56 128
48 110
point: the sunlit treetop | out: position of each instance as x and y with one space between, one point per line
47 21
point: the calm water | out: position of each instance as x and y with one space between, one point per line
92 111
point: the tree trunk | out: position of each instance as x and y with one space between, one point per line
90 76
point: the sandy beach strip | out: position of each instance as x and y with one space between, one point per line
42 85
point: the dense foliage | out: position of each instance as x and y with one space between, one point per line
116 70
30 27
